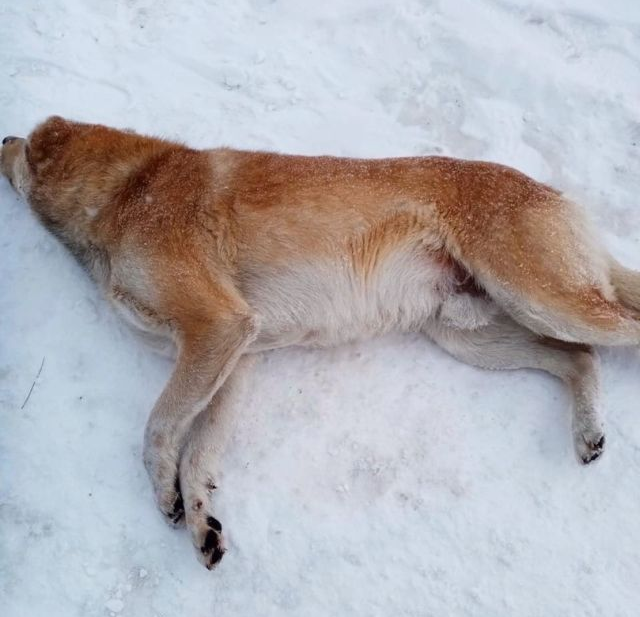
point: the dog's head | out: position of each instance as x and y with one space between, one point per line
45 168
76 175
23 160
68 171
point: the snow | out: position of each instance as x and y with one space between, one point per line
382 478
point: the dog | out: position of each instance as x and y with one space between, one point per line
226 253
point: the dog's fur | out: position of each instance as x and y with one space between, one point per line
227 253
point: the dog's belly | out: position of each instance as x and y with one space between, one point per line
326 302
330 303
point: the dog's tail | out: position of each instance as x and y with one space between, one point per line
536 255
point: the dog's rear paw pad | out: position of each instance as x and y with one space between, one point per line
212 546
591 448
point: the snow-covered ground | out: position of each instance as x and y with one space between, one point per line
382 478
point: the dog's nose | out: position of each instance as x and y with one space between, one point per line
8 139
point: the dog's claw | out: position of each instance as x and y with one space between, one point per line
591 449
211 544
175 513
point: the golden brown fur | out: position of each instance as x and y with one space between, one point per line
229 252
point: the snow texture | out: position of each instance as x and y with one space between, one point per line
382 478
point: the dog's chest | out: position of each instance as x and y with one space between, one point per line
330 302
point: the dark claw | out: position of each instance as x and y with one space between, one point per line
210 541
178 504
595 449
216 557
214 523
177 510
591 458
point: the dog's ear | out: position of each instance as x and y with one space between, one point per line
47 140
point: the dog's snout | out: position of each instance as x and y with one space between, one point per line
9 139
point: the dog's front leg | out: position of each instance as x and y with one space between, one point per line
200 464
211 343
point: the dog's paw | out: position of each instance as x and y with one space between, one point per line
171 505
589 445
206 534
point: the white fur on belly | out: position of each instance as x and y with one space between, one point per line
327 303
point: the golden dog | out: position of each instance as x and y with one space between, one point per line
227 253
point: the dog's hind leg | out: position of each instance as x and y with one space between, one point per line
538 257
200 464
626 283
579 316
504 344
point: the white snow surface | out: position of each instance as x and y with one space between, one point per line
381 478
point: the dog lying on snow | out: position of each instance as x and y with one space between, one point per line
228 253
